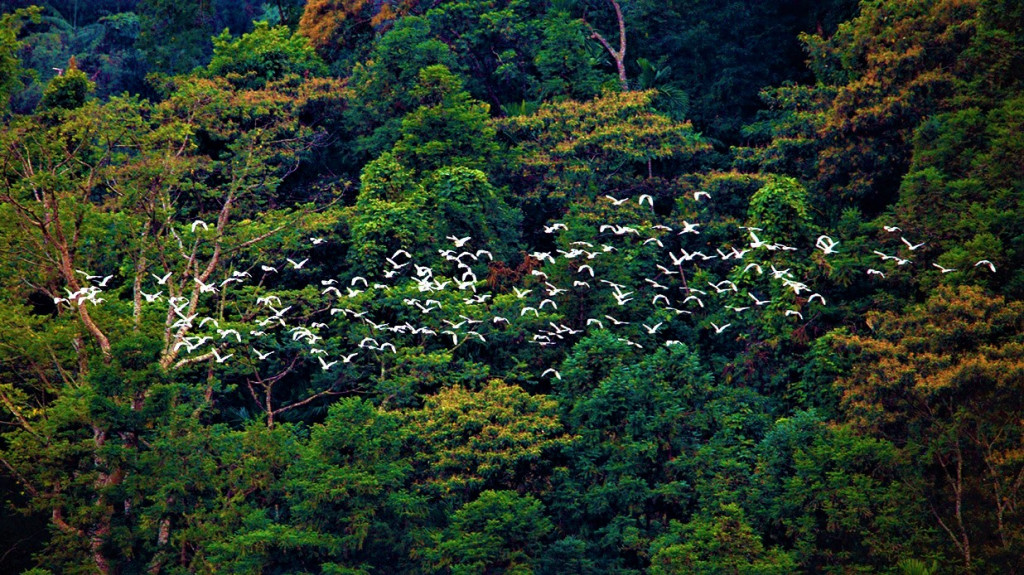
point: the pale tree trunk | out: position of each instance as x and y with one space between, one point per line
618 56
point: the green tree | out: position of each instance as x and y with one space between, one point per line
628 473
175 35
721 543
878 76
263 55
942 381
67 91
570 150
99 372
837 499
383 86
448 128
500 531
12 74
463 442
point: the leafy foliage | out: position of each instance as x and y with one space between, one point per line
481 287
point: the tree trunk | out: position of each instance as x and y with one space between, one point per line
619 56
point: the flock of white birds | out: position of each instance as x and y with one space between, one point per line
453 305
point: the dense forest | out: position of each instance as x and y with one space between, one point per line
512 286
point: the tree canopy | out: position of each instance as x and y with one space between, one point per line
554 287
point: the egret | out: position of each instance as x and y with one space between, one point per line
205 288
758 302
655 284
693 297
554 290
826 244
719 329
911 246
990 265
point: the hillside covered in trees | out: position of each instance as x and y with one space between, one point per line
512 286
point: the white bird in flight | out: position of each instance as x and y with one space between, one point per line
689 228
911 246
826 244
